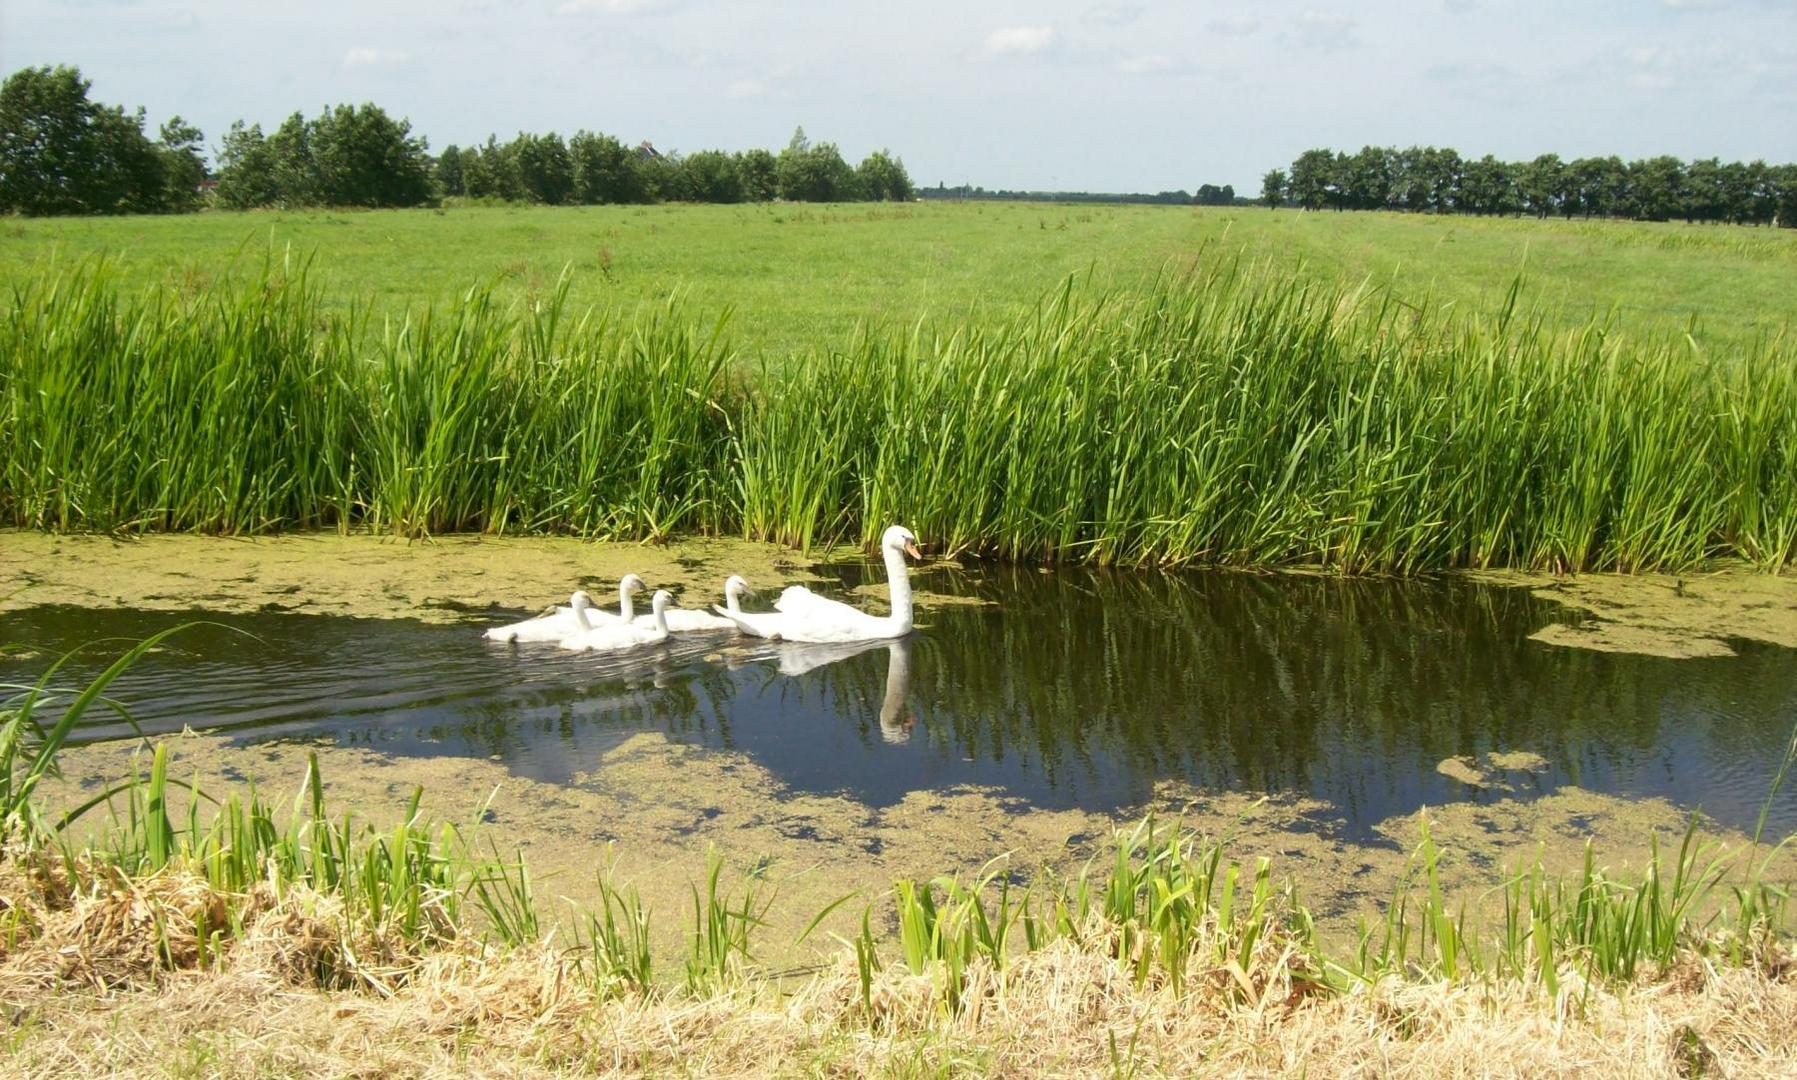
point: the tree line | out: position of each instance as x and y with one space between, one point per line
1436 180
1208 194
598 168
63 153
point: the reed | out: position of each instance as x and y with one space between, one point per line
1229 415
1595 926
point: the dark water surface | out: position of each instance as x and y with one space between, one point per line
1066 689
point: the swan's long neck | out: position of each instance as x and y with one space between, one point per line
625 608
580 613
661 618
733 600
898 579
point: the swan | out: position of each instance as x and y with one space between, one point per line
629 584
802 615
686 620
623 636
762 625
556 625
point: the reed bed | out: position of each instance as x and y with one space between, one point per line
1228 415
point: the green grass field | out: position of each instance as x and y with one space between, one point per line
800 277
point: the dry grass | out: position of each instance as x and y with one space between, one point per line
102 930
98 980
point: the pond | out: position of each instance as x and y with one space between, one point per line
1072 689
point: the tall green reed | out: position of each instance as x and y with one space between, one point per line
1227 415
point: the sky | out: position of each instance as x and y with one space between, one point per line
1049 94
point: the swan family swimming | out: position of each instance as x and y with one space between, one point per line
800 615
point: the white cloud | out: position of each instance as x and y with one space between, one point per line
1325 29
1690 5
363 56
1020 39
1238 25
746 88
612 7
1144 65
1114 14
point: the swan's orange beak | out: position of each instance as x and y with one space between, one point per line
911 550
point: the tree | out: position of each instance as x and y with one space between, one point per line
1409 186
1367 182
1600 185
661 176
605 170
61 153
492 173
545 169
807 173
1312 178
758 170
449 170
1440 172
710 176
481 170
246 174
1272 188
1656 188
1488 188
296 178
1541 185
183 169
1783 194
882 176
1704 194
1761 203
363 157
1736 190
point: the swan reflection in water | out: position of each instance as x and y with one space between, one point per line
799 658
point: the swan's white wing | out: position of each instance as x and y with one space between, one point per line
797 598
687 621
616 637
843 623
757 625
552 627
810 617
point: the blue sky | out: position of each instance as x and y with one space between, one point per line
1074 95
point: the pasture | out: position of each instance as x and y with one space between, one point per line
796 277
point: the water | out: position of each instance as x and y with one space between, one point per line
1071 689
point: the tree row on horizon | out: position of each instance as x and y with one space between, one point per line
63 153
1428 179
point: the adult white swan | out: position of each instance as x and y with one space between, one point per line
556 625
623 636
802 615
